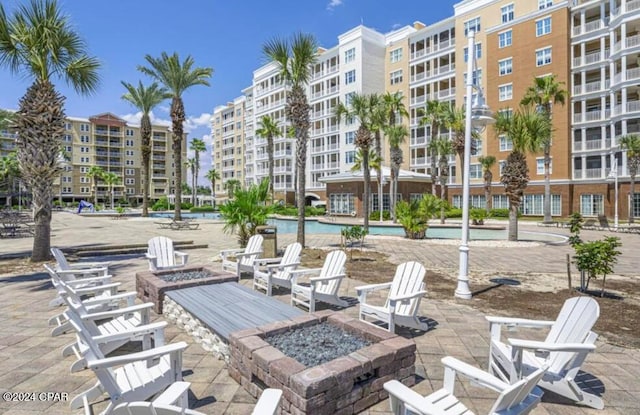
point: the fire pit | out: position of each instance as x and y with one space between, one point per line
347 383
152 285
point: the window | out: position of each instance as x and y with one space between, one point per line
635 205
341 203
475 171
543 4
534 205
68 149
129 172
85 159
477 77
591 205
129 162
501 165
84 127
507 13
129 132
504 39
129 143
540 166
478 49
505 66
395 55
130 181
505 143
349 137
347 99
129 152
84 190
543 26
505 92
350 77
476 147
473 24
386 199
350 157
350 55
475 201
67 126
543 56
396 77
67 137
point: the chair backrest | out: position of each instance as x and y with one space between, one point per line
60 259
55 279
333 265
573 324
520 394
409 279
291 256
162 248
253 245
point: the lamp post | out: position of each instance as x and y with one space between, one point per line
476 114
613 174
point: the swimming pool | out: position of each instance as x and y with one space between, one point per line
188 215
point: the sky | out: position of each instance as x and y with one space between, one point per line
224 35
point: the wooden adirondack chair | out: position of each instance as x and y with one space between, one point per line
324 287
129 378
100 297
567 345
518 398
161 255
87 274
403 301
244 257
109 329
278 270
175 401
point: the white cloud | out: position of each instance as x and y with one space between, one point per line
135 119
333 4
164 108
396 26
191 123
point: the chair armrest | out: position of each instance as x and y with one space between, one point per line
329 278
97 288
81 265
136 357
131 295
135 332
106 281
118 312
275 267
244 254
175 392
180 253
521 322
265 261
409 397
100 270
373 287
150 257
305 271
231 251
474 374
551 347
268 402
408 296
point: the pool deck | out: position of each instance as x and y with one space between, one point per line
30 359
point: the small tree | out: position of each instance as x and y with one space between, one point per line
414 215
350 235
247 211
595 258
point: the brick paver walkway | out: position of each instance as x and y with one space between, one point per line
31 361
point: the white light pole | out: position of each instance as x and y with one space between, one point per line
613 174
479 116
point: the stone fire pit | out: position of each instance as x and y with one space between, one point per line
151 285
345 385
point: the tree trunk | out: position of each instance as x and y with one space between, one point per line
379 172
487 192
443 196
366 173
95 191
632 194
270 155
177 119
513 222
434 174
547 185
145 130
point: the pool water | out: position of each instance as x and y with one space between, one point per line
188 215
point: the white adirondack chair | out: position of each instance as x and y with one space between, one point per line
278 270
567 345
109 329
162 256
87 274
514 399
244 257
324 287
403 301
129 378
175 401
100 297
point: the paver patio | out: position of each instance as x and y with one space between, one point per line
30 359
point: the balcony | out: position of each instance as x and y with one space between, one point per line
591 116
630 42
630 107
594 173
446 93
588 27
591 58
418 100
419 141
627 7
419 76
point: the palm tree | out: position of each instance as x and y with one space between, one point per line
396 135
487 163
95 172
295 58
434 115
269 129
544 92
192 166
441 148
145 99
394 107
39 42
9 171
360 109
231 186
197 146
111 179
247 211
631 143
527 129
213 175
177 77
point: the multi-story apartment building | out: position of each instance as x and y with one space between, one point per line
109 142
592 46
228 142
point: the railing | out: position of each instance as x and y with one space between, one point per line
420 53
418 100
419 161
333 146
633 73
593 173
446 92
420 76
626 7
593 144
416 141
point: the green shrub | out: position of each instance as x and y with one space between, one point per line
499 213
314 211
478 215
375 215
200 209
161 204
453 213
